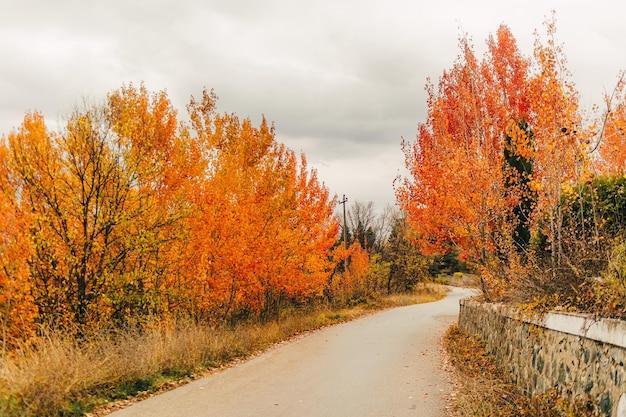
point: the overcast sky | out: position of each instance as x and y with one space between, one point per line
343 81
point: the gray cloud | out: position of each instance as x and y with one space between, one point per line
342 80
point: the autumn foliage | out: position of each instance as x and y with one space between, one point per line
503 139
264 225
612 143
18 310
128 215
461 144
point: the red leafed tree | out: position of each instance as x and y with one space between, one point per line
461 189
455 191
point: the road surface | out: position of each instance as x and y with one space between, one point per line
384 365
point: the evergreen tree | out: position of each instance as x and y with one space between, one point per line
519 171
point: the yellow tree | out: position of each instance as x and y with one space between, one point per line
164 163
76 190
103 196
558 135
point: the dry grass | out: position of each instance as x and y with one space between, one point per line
461 280
58 376
483 390
423 293
481 387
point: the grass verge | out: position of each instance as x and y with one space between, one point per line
57 376
482 389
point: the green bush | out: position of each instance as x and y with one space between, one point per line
598 207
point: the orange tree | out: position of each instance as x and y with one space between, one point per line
454 194
461 189
127 214
263 226
611 144
17 308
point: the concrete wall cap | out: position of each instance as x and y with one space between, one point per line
604 330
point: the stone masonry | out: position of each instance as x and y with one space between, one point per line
580 357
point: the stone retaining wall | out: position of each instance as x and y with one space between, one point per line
580 357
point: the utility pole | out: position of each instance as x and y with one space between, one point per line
345 225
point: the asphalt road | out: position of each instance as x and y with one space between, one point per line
386 364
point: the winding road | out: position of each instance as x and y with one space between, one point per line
385 365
